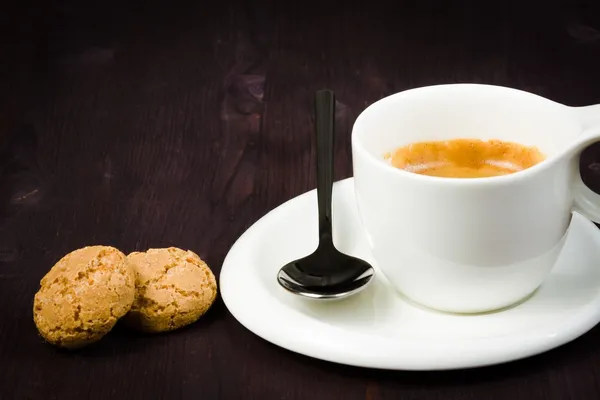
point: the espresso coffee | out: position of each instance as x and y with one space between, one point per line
465 158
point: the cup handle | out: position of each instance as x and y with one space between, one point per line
586 201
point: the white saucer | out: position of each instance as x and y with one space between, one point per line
377 328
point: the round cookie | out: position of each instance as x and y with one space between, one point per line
81 298
174 288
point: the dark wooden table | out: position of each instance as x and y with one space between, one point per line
182 123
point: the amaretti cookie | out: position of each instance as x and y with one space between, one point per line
81 298
174 288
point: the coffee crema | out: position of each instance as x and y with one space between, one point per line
465 158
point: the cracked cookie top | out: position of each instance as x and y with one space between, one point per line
174 288
81 298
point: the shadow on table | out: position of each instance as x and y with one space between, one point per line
122 340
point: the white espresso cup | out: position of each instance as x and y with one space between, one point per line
471 245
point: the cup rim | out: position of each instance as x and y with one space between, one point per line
518 176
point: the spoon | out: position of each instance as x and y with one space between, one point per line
327 273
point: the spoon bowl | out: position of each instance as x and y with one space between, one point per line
351 276
327 273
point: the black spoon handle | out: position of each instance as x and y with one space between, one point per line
325 124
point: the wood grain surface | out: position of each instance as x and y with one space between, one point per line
151 124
